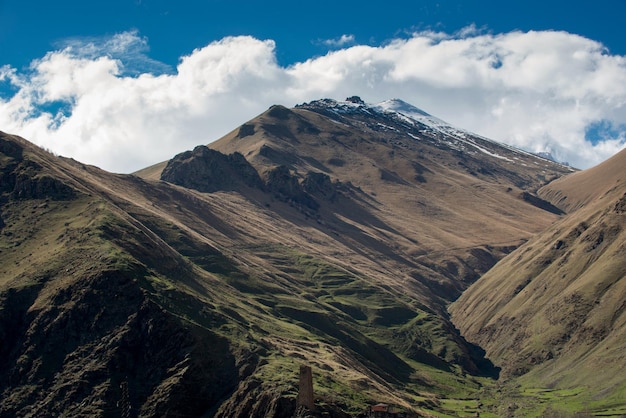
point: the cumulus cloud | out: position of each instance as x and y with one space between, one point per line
105 102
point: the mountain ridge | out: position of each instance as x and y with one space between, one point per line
340 248
561 294
580 189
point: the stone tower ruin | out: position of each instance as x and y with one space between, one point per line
305 392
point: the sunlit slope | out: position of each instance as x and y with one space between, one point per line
555 307
312 237
583 188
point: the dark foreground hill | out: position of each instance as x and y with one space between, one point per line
333 235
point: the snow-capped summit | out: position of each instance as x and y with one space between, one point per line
402 109
397 109
411 122
400 106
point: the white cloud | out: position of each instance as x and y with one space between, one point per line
127 47
342 41
105 102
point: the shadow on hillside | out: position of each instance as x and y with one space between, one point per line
484 366
375 356
356 206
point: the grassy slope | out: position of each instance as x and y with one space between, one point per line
442 220
553 310
357 293
580 189
114 226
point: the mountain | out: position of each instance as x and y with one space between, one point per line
586 187
554 310
333 234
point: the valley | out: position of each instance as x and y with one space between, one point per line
335 235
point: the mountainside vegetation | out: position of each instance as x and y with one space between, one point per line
333 235
554 310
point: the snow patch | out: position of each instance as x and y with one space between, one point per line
411 114
416 119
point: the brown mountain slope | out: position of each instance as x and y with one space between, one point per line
556 306
580 189
336 242
437 205
78 315
112 282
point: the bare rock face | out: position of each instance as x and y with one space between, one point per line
207 170
286 187
319 184
41 187
10 149
253 399
23 178
540 203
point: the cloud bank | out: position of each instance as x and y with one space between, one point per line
105 102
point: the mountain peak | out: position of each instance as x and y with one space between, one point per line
400 106
411 123
356 103
355 99
394 104
396 109
351 104
335 234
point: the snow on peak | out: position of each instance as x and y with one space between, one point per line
415 120
414 114
349 105
400 106
395 108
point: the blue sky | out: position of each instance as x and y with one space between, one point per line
29 29
96 80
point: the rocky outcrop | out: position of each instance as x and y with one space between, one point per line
320 185
254 399
42 187
209 171
286 187
11 149
245 130
25 179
